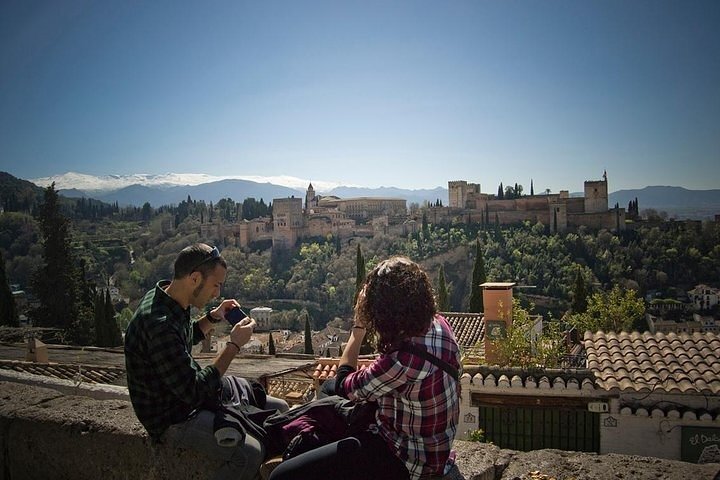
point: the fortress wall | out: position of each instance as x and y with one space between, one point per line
575 205
521 216
533 203
597 220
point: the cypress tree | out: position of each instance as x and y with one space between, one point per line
501 192
359 273
114 337
8 310
532 189
308 336
443 297
271 344
99 312
478 278
55 281
579 301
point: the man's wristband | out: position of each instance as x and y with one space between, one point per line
211 319
234 345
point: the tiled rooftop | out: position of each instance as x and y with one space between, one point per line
327 367
84 373
643 362
294 391
469 328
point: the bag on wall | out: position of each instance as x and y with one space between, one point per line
315 424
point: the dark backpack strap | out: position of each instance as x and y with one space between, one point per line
425 355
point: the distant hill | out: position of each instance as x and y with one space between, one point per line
17 194
412 196
238 190
678 202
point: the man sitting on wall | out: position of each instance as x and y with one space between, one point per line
168 388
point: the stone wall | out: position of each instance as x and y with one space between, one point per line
51 435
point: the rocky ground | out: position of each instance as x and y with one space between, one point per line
488 462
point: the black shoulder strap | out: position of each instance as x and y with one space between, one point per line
424 354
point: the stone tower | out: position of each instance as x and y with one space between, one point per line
310 200
596 195
456 193
288 221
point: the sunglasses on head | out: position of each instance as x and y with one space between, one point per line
212 254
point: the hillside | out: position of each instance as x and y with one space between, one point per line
678 202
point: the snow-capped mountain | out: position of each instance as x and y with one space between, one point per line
102 184
173 188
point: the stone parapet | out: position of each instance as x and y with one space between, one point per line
48 434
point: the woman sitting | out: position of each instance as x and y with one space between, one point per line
417 399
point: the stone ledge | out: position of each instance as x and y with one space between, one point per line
45 433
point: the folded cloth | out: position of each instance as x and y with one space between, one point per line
240 391
228 436
229 431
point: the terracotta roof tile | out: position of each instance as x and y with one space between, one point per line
469 328
680 363
294 391
77 372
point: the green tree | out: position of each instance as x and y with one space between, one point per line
98 314
308 335
579 300
107 331
443 295
359 273
615 311
8 310
123 318
527 346
114 337
271 344
478 278
55 282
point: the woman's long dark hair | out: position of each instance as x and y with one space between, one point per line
396 302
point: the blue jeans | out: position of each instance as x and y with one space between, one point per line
238 463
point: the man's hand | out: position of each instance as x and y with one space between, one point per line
223 308
242 331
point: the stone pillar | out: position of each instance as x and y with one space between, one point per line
206 344
469 414
37 351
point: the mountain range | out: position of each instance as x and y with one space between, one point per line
157 190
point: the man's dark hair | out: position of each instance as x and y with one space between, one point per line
197 258
396 302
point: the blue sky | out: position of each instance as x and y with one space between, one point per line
396 93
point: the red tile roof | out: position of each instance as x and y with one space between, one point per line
469 328
84 373
327 367
645 362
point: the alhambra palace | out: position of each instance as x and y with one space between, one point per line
370 216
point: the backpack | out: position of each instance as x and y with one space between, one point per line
315 424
